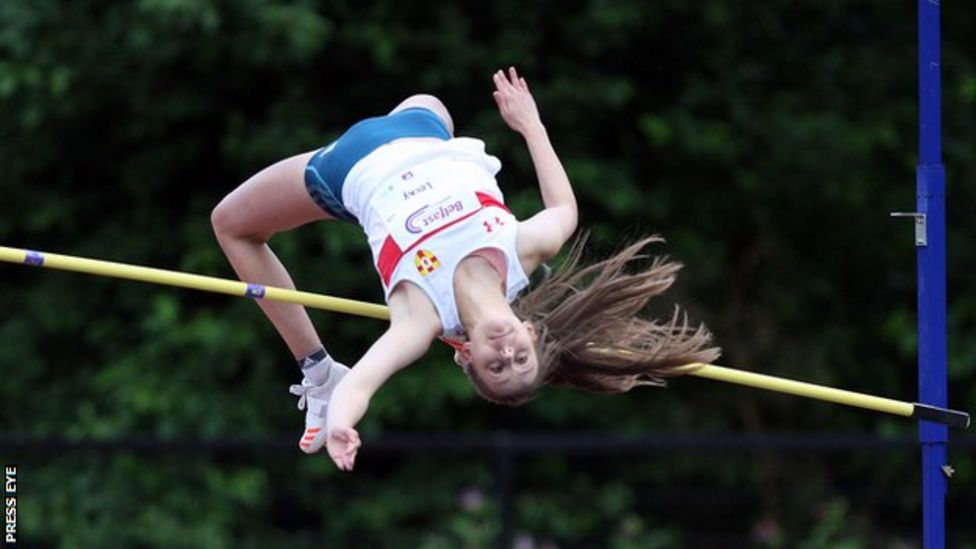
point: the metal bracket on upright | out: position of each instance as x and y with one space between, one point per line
920 235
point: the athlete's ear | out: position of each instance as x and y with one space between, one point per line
462 357
530 328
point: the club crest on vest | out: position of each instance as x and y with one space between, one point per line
426 262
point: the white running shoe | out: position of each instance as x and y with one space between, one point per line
314 399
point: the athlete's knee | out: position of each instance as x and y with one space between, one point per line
222 219
228 222
429 102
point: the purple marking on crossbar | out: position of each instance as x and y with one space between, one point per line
254 291
34 258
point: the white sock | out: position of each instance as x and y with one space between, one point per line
316 367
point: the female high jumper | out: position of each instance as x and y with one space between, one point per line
453 261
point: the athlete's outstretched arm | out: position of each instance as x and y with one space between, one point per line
404 342
548 230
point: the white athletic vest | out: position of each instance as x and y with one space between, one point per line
424 207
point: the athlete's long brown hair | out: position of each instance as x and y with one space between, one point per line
591 336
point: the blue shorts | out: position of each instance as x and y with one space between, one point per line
326 171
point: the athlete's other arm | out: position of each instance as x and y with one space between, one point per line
413 326
542 235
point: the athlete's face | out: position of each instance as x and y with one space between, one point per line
501 353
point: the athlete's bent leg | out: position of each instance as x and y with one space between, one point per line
271 201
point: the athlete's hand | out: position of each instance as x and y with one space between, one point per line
343 444
515 102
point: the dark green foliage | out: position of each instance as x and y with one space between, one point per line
767 141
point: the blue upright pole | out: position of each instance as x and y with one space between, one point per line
932 345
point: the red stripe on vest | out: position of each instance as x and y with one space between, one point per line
391 254
488 200
457 345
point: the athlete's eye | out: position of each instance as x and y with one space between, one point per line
522 359
495 367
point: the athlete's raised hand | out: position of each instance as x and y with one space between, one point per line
515 101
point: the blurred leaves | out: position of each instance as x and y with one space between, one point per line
767 142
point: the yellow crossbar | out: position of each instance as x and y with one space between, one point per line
803 389
192 281
953 418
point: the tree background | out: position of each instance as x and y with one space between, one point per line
768 141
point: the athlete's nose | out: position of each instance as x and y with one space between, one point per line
507 351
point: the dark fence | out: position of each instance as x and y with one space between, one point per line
502 448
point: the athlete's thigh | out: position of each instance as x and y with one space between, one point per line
272 200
